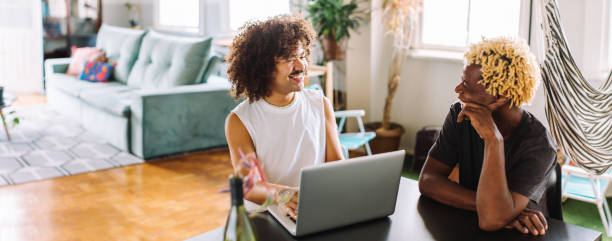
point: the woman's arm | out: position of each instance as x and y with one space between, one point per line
333 151
238 138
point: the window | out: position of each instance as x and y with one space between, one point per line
242 11
452 25
178 15
214 17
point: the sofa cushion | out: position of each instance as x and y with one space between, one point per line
169 60
215 66
113 99
96 72
72 86
79 57
121 46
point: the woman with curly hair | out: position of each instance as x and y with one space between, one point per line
505 155
286 126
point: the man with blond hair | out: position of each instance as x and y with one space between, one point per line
504 153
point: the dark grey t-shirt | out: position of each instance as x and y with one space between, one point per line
530 155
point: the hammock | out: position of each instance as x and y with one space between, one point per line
579 115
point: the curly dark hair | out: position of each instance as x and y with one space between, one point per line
254 50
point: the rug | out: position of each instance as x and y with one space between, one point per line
47 144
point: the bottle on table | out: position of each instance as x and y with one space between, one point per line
238 226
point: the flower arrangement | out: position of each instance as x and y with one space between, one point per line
256 176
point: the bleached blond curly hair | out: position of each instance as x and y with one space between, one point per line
508 68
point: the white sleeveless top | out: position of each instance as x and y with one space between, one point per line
286 138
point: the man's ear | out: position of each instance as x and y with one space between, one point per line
501 100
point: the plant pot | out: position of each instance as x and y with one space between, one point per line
386 140
334 50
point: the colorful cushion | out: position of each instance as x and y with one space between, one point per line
96 71
79 57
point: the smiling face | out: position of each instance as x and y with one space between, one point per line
290 72
470 90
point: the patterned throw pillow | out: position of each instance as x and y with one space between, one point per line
96 71
79 57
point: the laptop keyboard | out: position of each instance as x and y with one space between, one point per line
290 218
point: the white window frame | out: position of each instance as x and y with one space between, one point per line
452 52
201 20
208 24
226 28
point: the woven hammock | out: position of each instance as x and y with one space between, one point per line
579 115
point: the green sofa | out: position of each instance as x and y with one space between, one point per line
168 96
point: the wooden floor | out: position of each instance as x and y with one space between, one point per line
169 199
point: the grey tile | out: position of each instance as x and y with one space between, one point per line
82 165
28 174
9 164
20 135
94 150
47 144
3 181
65 130
56 142
47 158
124 159
14 149
34 124
90 138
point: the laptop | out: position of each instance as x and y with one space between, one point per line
341 193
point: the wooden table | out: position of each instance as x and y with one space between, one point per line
415 218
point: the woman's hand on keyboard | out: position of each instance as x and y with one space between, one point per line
291 206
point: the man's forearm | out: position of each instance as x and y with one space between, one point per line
445 191
494 202
260 192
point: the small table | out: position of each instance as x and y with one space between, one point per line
415 218
7 100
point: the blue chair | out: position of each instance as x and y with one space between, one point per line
587 187
353 140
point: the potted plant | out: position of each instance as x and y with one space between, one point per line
400 18
332 20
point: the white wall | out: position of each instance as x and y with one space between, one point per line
21 50
426 89
115 13
586 27
358 74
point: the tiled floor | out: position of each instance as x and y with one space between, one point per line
47 145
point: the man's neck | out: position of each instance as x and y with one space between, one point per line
279 99
507 119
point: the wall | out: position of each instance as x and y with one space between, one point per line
358 74
426 90
115 13
21 50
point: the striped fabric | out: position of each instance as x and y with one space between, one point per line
580 116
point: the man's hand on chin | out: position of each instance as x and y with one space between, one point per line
529 221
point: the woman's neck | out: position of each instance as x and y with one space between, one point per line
280 100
